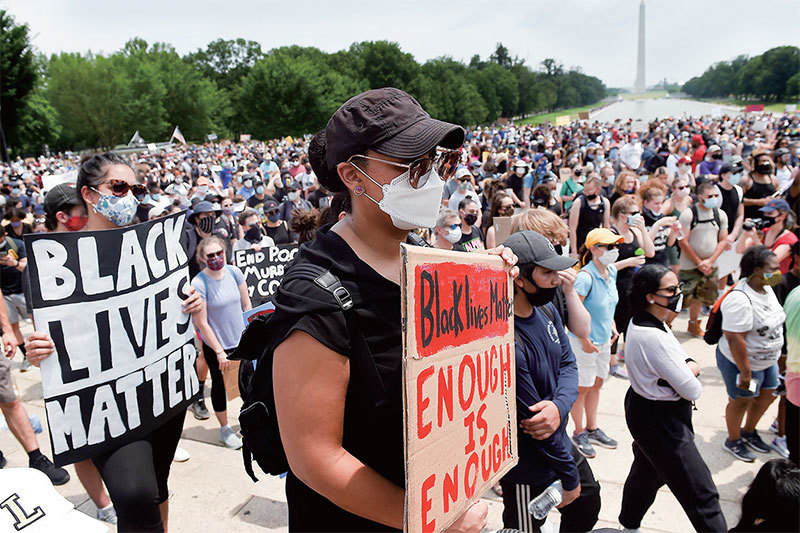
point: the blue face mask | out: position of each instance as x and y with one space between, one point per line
613 154
735 178
711 203
260 189
155 197
600 158
119 210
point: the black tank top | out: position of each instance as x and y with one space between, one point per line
279 234
730 204
626 251
591 217
757 191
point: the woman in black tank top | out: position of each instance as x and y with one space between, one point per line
588 211
760 185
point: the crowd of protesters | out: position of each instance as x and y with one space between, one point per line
621 230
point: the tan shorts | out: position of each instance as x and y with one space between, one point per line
699 287
7 393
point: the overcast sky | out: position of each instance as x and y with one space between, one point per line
600 36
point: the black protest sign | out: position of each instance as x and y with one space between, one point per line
124 360
263 270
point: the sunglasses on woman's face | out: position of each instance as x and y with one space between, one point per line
681 187
445 163
121 187
215 254
672 289
607 246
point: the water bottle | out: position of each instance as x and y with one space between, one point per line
638 253
36 423
546 501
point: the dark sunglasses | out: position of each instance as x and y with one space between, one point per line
121 187
215 254
607 246
272 212
445 162
681 188
672 289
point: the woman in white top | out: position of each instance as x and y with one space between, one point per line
658 408
747 353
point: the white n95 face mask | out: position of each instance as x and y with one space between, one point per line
609 256
410 208
453 236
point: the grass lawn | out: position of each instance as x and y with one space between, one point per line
775 107
551 117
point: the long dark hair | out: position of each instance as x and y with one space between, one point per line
753 258
774 498
646 281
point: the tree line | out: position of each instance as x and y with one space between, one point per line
771 76
73 100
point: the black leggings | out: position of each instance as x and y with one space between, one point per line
219 398
136 476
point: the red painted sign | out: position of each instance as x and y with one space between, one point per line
457 304
753 108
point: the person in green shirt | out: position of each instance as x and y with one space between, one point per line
569 187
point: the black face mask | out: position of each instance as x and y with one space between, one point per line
716 156
674 303
764 168
206 224
253 235
541 296
470 219
591 196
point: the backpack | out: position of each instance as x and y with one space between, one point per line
696 215
261 438
714 323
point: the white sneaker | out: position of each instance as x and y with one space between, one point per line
181 455
229 439
108 514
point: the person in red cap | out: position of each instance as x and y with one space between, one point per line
699 150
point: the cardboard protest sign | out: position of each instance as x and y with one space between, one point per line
211 136
562 120
759 125
124 353
459 385
639 126
244 137
583 115
264 269
230 377
502 228
790 108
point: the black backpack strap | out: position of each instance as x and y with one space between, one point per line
695 214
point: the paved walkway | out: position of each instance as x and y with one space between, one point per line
211 491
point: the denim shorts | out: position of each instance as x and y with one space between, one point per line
765 379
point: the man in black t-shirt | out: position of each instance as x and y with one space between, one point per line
471 235
731 196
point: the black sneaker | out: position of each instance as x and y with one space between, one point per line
57 475
3 461
754 441
738 449
597 436
199 410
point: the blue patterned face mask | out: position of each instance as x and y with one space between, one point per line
119 210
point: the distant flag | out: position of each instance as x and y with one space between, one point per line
136 139
178 135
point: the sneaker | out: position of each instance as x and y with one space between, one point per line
57 475
754 441
779 445
601 439
108 514
3 460
738 449
618 371
694 329
181 455
26 365
199 410
581 441
774 427
229 439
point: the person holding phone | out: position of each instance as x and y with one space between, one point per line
747 353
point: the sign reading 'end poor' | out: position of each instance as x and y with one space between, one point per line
458 382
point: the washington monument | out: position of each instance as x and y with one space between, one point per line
639 86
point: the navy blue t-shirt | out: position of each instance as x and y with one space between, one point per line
546 370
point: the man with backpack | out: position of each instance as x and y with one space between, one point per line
705 228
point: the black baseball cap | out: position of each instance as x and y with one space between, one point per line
729 167
531 247
60 197
389 121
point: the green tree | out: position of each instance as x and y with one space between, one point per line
384 64
226 61
793 86
17 75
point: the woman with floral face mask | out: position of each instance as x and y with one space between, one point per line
381 148
136 472
778 235
224 291
747 353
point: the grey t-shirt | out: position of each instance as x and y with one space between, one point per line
223 304
704 236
